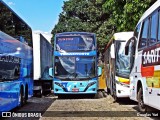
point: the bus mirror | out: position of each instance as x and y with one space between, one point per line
126 50
112 52
51 72
24 72
99 71
130 44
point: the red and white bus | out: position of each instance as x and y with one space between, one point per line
144 49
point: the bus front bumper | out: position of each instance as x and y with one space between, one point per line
75 87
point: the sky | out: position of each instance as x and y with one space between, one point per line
40 15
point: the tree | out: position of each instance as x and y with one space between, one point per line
103 17
82 15
126 13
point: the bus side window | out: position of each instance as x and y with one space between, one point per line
153 28
159 26
22 30
144 34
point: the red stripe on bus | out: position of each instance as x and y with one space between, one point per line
147 71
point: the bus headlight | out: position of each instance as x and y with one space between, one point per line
89 85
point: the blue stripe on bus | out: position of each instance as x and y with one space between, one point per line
92 53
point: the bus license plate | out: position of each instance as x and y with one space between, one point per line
75 90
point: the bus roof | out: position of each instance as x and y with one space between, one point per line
120 36
123 36
74 33
150 10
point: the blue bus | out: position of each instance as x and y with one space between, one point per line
16 60
75 63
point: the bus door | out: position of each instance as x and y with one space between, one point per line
130 51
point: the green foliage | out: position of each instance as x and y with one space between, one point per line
103 17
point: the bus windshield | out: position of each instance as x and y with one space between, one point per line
75 43
74 67
122 60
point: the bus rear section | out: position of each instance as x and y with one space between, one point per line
75 61
16 60
117 65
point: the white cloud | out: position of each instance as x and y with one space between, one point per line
47 35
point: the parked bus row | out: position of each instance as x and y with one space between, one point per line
26 62
132 62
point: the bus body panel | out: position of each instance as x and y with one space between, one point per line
136 71
74 87
9 94
11 72
122 89
7 104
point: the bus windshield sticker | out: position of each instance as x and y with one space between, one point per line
71 43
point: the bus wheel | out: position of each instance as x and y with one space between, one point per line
26 94
21 97
115 97
108 91
99 94
111 89
142 107
40 92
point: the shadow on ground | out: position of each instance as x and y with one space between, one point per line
34 107
126 101
76 96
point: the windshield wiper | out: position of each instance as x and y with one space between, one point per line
62 78
74 76
67 77
87 77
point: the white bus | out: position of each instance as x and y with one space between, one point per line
145 57
117 65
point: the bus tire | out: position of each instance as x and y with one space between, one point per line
111 88
104 94
26 94
108 91
40 93
115 97
21 97
99 95
142 107
114 93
